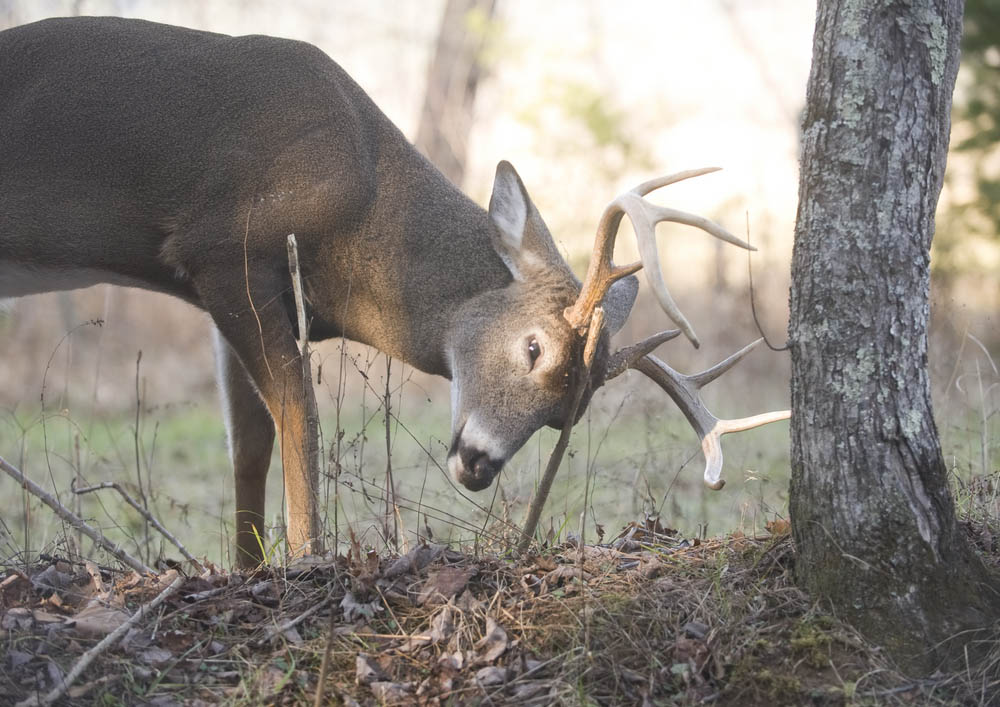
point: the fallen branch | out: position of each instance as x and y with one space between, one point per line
74 520
145 514
87 658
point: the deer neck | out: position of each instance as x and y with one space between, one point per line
402 275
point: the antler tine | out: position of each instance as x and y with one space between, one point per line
644 216
601 272
700 380
622 359
684 392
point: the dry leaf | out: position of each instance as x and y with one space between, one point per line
45 617
270 679
97 582
15 659
494 643
530 689
390 692
778 527
413 561
565 573
453 661
632 676
367 670
491 675
443 625
353 609
267 593
468 603
445 583
157 657
51 579
98 619
696 629
531 583
652 569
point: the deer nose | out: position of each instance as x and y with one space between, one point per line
477 469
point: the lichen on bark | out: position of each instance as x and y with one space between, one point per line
872 514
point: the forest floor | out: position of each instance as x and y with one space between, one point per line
645 618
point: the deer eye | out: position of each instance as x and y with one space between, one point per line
534 350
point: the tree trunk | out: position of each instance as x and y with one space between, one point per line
446 118
873 517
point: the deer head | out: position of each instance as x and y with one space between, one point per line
513 355
516 353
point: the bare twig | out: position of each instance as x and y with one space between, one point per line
71 518
391 509
545 485
300 308
276 631
138 456
324 668
753 302
150 518
87 658
309 395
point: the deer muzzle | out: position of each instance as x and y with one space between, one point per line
471 461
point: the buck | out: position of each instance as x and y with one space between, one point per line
178 161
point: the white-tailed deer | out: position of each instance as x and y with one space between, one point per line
178 161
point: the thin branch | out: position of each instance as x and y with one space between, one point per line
138 456
309 397
276 631
145 514
753 303
71 518
555 459
324 667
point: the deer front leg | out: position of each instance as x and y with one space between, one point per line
260 335
250 430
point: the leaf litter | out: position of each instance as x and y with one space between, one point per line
647 618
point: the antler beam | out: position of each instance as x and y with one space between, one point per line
685 392
602 273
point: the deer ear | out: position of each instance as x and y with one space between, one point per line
519 235
618 303
509 206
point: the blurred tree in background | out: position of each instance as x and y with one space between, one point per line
981 108
452 81
968 243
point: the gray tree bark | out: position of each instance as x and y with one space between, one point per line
873 517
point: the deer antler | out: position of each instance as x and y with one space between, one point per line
684 390
602 273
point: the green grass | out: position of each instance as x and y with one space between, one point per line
623 464
632 453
